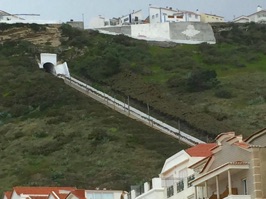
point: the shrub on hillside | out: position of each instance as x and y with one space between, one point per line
201 80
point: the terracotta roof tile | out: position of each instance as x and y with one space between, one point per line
201 150
38 197
8 194
80 193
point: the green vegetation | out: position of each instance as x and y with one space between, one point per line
53 135
209 88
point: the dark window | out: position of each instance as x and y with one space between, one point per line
180 186
189 180
170 191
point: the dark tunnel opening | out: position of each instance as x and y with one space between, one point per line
49 68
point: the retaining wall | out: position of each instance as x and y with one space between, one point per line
180 32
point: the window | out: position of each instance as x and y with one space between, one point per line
245 187
152 16
170 191
196 16
157 15
180 186
189 180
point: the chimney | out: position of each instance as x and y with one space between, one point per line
197 11
259 8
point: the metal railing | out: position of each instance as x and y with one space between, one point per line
130 111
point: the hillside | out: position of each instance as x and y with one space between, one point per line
51 134
209 88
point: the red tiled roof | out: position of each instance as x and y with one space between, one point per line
201 150
8 194
38 197
40 190
80 193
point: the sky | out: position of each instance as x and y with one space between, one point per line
64 10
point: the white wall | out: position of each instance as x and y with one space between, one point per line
41 22
159 15
97 22
15 195
138 15
191 17
62 69
159 31
47 57
101 193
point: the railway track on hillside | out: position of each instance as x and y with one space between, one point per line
130 111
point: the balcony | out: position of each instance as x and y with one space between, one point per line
238 197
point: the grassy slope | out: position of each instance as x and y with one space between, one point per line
158 76
51 134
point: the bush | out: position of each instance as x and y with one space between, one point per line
201 80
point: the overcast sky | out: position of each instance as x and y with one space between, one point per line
65 10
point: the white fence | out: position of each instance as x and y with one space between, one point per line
130 111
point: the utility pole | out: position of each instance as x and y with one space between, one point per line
83 21
148 107
179 130
128 105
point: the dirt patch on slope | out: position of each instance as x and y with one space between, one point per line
50 36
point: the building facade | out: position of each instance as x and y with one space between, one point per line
168 14
62 193
231 168
258 17
211 18
133 18
236 169
175 179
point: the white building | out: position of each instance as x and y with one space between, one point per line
175 179
258 17
62 193
97 22
133 18
211 18
168 14
7 17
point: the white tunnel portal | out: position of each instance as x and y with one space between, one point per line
49 64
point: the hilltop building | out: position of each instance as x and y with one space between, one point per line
7 17
133 18
231 168
258 17
211 18
168 14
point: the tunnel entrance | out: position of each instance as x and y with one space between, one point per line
49 68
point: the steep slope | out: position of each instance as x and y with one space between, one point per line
52 135
209 88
